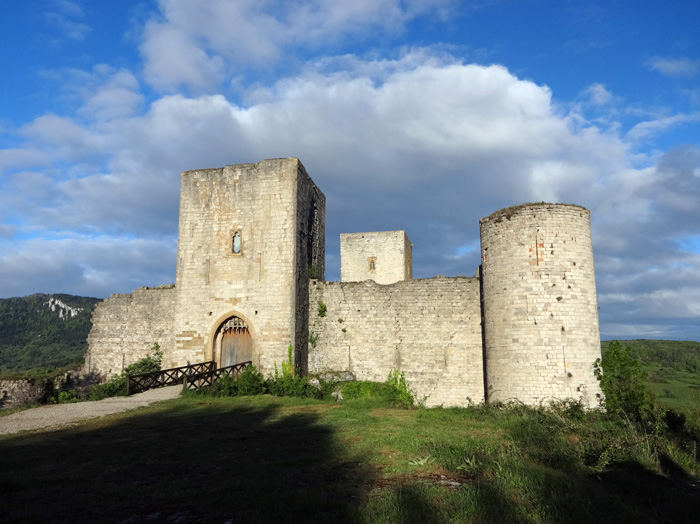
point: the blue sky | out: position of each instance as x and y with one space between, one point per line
417 115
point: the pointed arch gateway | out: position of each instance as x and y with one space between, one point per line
233 343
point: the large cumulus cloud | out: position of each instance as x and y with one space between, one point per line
421 142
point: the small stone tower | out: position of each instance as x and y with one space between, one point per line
383 256
540 317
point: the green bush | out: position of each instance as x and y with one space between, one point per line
251 382
394 391
289 385
398 389
364 390
67 397
225 386
327 388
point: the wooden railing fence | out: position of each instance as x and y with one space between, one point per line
207 378
165 377
192 376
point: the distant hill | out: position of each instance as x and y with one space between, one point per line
44 330
672 354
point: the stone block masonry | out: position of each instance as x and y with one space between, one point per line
540 308
250 273
125 327
383 256
429 328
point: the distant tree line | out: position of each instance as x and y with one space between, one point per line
670 354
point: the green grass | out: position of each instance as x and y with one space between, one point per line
674 389
268 459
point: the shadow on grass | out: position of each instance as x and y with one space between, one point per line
194 461
562 490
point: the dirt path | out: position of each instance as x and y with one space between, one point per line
63 414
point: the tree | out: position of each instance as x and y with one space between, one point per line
623 382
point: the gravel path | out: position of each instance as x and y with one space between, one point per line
64 414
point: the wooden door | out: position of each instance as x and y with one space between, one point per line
236 343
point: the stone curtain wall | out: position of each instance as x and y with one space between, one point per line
428 328
125 327
540 308
391 251
16 393
259 284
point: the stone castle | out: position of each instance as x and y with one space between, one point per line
250 282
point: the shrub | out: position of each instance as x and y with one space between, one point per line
394 391
67 397
289 385
364 390
251 382
398 388
225 386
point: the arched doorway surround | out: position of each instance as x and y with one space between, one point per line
233 342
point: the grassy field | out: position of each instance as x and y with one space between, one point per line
266 459
674 389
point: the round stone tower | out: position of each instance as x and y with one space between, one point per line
540 311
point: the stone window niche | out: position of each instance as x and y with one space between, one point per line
236 243
371 264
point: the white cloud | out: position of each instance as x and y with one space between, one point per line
598 95
68 18
674 66
22 158
63 137
7 231
652 127
91 266
117 96
199 44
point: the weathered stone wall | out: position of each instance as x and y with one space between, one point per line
428 328
260 285
310 258
125 327
540 308
382 256
16 393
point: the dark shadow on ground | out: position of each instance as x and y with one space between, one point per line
567 492
195 461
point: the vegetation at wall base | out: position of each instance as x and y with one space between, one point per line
394 391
